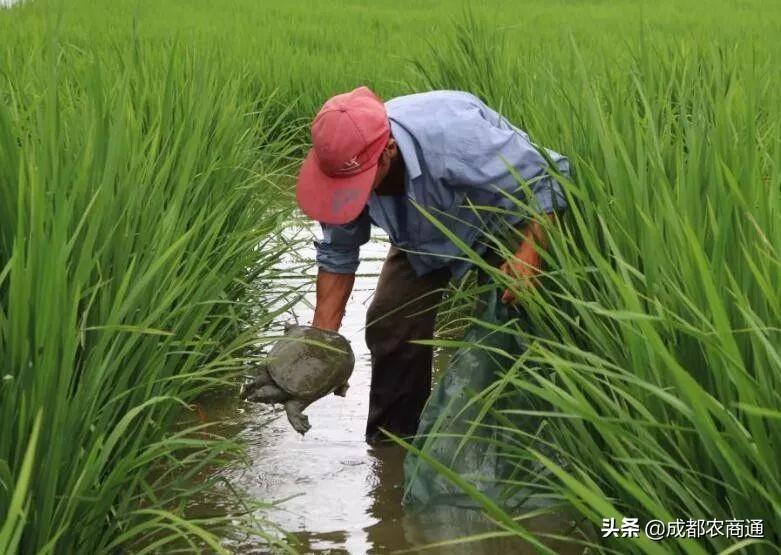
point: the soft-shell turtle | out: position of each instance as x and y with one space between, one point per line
307 364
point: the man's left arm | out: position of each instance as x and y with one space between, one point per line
526 264
488 157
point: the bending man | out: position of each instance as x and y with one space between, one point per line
372 163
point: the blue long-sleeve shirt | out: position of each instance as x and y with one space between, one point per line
456 151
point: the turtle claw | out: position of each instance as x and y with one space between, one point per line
253 397
297 419
249 391
341 391
300 424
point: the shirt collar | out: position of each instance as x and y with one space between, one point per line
407 147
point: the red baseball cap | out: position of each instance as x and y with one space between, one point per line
349 134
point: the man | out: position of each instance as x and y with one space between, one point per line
372 163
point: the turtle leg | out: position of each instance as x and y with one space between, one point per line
268 394
341 391
263 389
294 409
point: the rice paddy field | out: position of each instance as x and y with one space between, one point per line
146 155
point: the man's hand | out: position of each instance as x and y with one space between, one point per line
526 263
524 266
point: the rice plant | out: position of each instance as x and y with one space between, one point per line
656 331
136 210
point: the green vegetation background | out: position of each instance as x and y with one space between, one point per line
141 148
309 50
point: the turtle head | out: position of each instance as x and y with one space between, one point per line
253 383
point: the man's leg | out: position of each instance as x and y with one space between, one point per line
403 309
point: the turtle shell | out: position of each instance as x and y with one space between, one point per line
310 362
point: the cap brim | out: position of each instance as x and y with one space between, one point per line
332 200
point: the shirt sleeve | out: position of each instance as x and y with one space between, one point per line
483 150
339 250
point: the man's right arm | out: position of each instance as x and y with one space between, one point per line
337 260
333 290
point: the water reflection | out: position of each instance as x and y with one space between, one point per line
342 496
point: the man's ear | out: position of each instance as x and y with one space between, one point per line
392 148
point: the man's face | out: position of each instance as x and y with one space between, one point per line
384 164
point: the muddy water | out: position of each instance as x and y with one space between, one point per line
341 496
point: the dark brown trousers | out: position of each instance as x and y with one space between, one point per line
403 309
